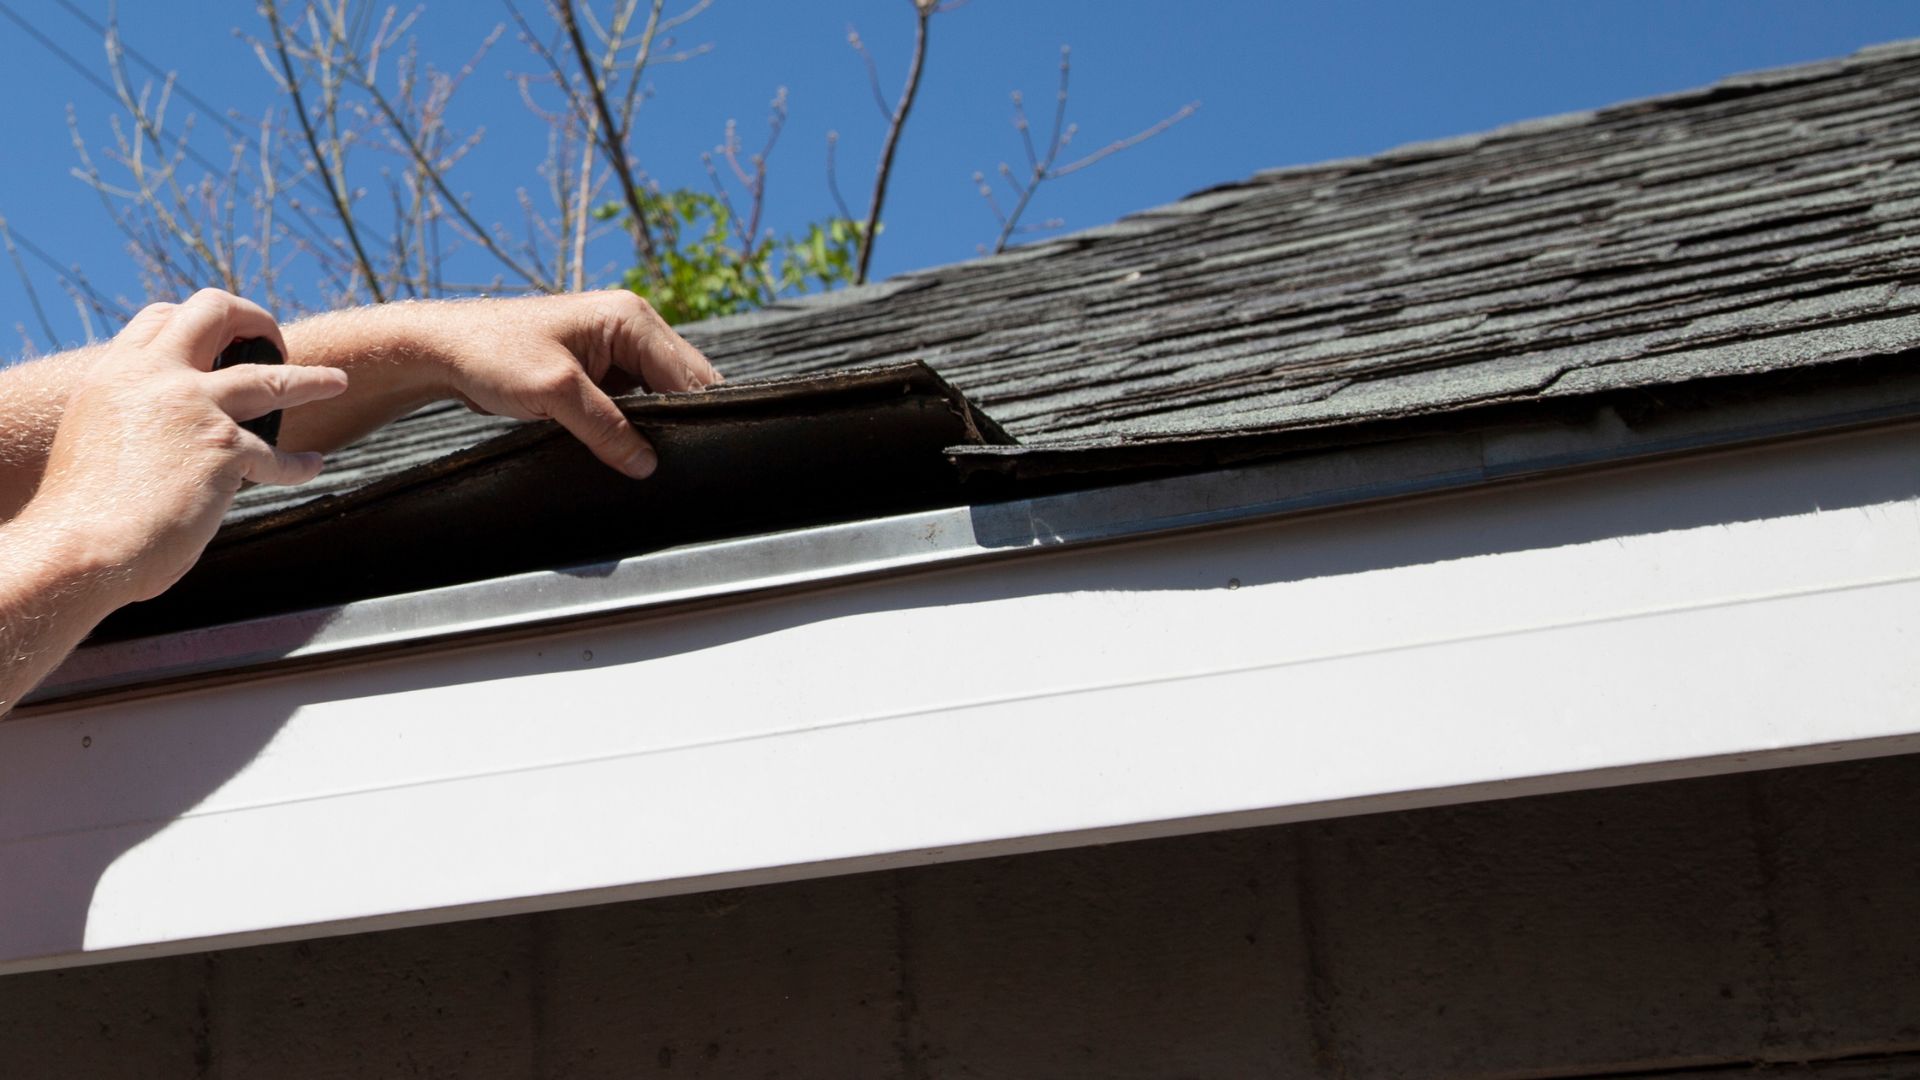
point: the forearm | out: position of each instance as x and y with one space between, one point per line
392 363
54 588
533 358
33 397
145 462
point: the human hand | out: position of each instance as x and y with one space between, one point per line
556 358
149 452
533 358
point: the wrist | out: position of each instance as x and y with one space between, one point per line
59 583
55 553
35 394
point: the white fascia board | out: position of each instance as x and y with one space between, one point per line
1697 615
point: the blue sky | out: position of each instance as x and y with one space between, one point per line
1279 83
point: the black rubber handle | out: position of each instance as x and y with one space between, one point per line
254 351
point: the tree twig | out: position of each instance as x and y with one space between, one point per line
411 144
26 283
923 10
833 180
580 216
1121 144
336 185
873 73
612 136
1042 168
73 280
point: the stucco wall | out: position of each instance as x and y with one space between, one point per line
1773 917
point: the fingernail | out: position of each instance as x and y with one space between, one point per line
641 463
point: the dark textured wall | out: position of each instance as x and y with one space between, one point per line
1704 925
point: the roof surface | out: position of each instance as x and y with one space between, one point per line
782 454
1764 223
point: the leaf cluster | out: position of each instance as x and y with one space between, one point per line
703 270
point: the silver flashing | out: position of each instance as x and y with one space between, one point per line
739 568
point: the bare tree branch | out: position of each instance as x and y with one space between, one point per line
873 73
157 189
923 10
335 181
410 142
26 283
1042 168
1026 135
753 176
358 85
630 97
833 180
264 203
582 203
1121 144
73 280
986 192
726 199
612 135
668 26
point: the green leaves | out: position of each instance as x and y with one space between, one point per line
709 265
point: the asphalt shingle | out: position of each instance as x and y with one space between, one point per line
1769 221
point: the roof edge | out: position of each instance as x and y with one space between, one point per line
735 570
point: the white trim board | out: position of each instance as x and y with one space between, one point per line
1707 614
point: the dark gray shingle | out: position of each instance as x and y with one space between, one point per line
1768 222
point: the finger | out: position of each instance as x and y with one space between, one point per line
245 391
644 345
586 411
209 321
263 464
145 324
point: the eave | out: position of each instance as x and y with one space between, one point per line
1450 618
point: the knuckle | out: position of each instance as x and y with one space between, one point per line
626 304
556 384
611 424
212 295
276 381
222 436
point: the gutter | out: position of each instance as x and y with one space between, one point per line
735 570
